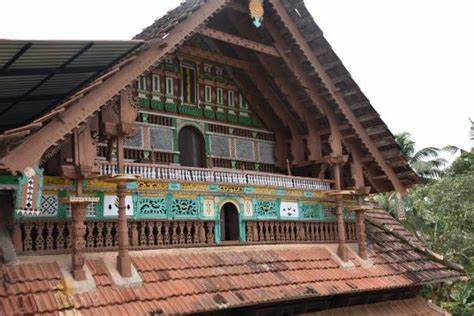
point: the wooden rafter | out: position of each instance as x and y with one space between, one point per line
30 151
237 40
337 96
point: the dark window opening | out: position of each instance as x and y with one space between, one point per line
229 217
191 148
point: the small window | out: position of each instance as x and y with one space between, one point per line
169 86
220 96
156 83
230 98
141 83
208 94
242 103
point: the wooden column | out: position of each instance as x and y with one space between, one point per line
124 263
361 238
341 231
78 213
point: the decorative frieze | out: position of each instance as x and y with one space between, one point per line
111 205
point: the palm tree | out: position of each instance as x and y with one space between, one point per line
426 162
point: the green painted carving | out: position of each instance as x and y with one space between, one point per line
143 103
311 211
184 208
8 180
266 209
245 120
220 116
232 118
171 107
157 105
209 114
145 117
190 110
151 207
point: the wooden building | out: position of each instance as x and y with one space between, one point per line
219 162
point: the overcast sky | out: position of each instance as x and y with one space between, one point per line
413 59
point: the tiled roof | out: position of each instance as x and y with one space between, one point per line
177 281
408 307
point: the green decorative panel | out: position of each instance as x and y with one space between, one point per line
232 118
190 110
152 207
209 114
220 116
245 120
143 103
7 179
311 211
184 207
171 107
329 212
157 105
266 208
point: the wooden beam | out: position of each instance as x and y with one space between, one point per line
239 41
218 58
337 96
30 151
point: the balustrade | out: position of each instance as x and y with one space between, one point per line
293 231
149 171
55 237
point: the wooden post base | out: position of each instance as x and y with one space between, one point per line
124 266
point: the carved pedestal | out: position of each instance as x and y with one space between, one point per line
78 213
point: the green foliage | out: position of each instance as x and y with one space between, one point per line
427 162
440 212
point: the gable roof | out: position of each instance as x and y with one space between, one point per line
196 280
386 170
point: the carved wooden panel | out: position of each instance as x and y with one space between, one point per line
266 153
244 149
220 146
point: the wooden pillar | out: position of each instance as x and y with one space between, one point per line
361 238
78 212
341 231
124 263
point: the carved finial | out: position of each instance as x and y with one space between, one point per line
256 12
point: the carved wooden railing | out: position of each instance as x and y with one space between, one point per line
55 237
168 173
293 231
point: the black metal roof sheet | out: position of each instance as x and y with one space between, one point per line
35 75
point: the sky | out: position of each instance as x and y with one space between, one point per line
413 59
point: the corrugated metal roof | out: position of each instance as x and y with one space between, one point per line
36 75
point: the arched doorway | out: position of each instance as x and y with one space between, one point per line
229 220
191 147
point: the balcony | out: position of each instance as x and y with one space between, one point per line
216 176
